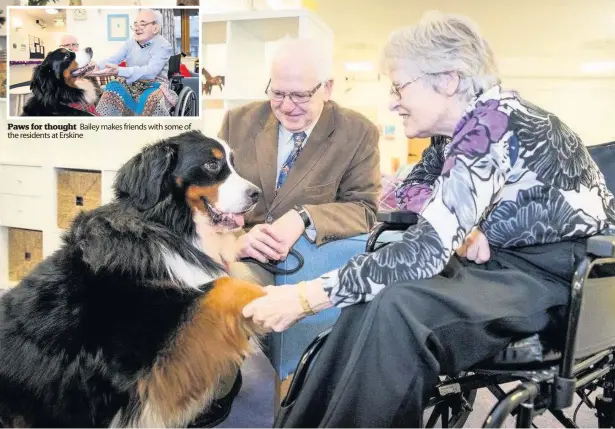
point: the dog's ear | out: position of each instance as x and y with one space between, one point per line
143 180
43 82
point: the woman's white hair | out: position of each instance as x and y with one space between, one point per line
441 44
311 49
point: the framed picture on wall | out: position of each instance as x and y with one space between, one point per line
37 50
389 132
117 27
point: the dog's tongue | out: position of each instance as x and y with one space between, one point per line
82 70
238 219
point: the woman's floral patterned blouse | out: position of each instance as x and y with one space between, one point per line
511 169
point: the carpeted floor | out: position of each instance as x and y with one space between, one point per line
253 407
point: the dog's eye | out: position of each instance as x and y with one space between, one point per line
212 166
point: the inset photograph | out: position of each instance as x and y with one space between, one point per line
108 62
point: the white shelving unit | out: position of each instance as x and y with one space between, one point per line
239 46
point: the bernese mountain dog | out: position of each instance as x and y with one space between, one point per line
60 88
133 320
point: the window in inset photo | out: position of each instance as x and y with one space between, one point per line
109 62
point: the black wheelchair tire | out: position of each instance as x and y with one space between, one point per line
186 103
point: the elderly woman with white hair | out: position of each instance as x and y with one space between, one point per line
414 309
142 86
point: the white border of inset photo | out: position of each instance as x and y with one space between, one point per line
12 100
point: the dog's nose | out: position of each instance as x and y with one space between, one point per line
88 50
254 194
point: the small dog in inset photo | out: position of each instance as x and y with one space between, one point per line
60 88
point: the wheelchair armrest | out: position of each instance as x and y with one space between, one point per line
397 217
394 220
602 246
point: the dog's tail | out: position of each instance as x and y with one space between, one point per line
210 346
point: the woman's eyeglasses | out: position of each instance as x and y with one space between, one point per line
396 90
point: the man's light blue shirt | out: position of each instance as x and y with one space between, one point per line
142 63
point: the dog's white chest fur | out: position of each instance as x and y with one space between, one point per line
184 273
89 91
219 247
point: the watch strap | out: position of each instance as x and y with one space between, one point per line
304 216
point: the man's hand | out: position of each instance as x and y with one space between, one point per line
289 228
109 70
262 243
475 248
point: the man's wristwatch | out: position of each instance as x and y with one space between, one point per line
304 216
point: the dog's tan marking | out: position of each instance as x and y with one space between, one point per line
66 74
208 347
194 194
217 153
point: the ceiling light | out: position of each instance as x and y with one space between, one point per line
359 66
598 67
52 11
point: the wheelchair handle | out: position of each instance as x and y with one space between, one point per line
274 269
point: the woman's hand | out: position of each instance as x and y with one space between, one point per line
278 310
475 247
282 306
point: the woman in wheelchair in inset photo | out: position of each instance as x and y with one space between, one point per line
415 309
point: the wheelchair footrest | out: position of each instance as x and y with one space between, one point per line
527 350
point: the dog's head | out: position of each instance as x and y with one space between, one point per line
193 168
57 76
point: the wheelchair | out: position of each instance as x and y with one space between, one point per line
548 371
187 104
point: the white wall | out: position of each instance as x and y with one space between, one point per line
92 31
20 36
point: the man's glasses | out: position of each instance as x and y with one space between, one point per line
71 46
140 25
296 97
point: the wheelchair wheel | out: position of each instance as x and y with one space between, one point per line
453 408
186 105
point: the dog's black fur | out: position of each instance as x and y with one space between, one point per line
51 92
79 331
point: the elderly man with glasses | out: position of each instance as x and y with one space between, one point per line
142 87
317 163
69 41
